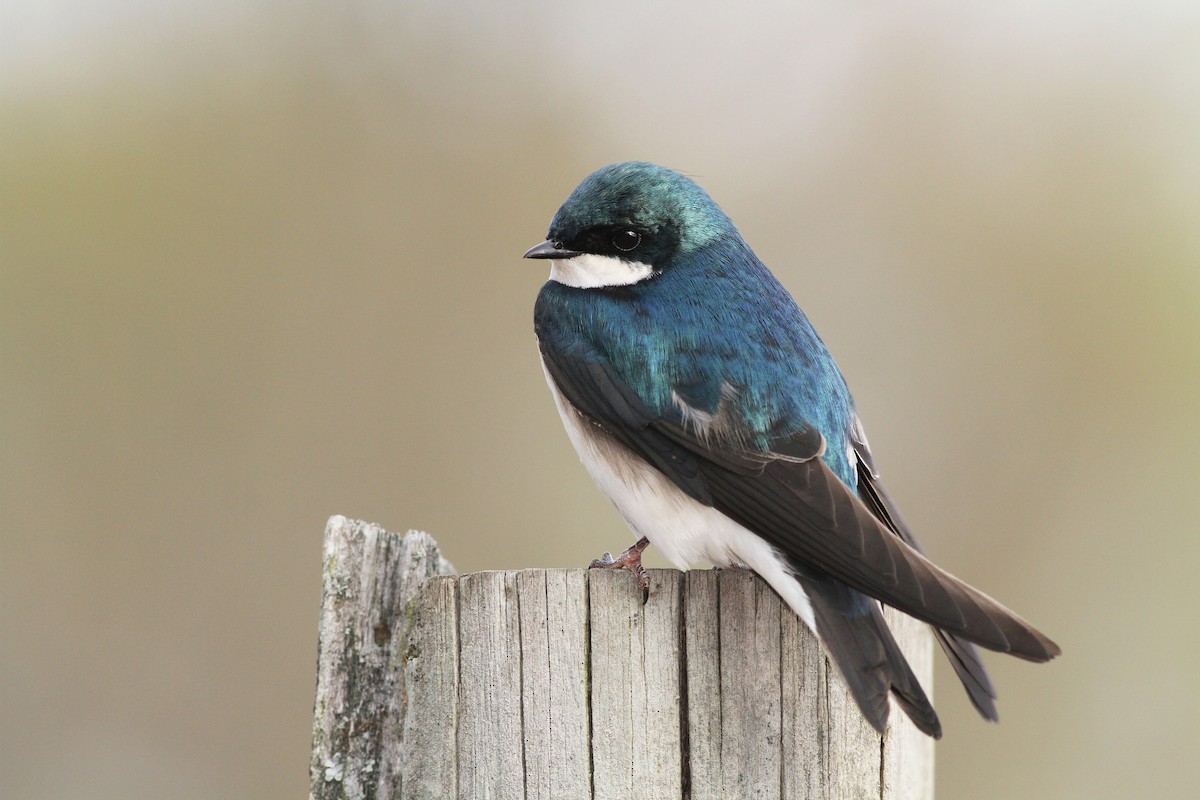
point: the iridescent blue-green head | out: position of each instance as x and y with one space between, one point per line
627 221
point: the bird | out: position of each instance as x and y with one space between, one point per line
704 405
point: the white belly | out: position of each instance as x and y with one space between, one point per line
684 531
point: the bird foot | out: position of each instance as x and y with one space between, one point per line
631 560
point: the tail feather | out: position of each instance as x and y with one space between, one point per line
851 626
970 671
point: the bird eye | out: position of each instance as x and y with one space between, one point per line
626 240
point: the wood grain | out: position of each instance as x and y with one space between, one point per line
562 684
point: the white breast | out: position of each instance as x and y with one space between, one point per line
684 531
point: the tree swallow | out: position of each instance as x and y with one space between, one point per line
707 409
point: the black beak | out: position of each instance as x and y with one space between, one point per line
550 249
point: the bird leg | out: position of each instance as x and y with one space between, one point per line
631 560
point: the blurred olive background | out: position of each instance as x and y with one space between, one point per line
261 265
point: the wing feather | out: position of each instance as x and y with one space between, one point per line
963 656
790 497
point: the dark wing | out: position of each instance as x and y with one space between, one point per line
962 654
793 500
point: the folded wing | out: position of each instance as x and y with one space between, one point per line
790 496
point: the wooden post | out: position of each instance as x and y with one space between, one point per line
561 684
370 579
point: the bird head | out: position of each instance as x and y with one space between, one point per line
626 223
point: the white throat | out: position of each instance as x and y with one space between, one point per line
588 271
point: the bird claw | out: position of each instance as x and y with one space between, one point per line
631 560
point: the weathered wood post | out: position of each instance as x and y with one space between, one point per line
561 684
